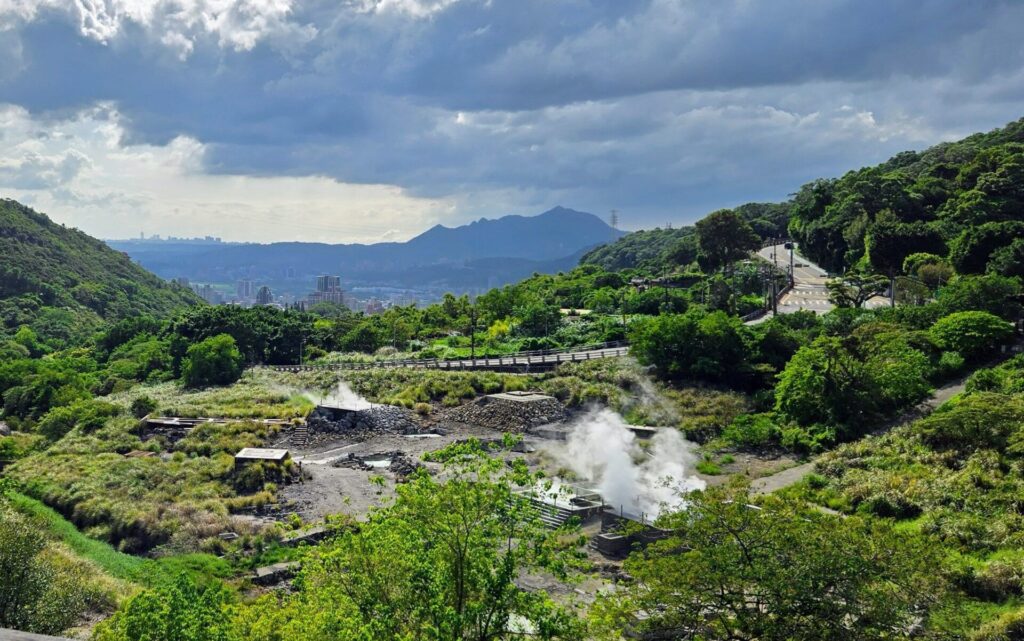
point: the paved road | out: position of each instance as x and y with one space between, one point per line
809 291
519 361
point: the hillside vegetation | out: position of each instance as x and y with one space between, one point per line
62 283
928 544
962 202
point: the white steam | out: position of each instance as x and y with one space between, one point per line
342 396
602 449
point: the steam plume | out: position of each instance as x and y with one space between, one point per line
602 449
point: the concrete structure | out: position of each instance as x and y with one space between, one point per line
251 455
245 289
622 532
327 283
524 362
310 536
521 397
271 574
328 290
561 502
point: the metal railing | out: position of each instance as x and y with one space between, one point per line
527 358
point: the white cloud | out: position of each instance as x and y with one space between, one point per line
414 8
235 24
76 171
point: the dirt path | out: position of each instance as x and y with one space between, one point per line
793 475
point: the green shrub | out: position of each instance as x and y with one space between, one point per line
695 345
752 430
87 415
971 333
708 467
143 406
808 440
38 593
950 363
1008 627
214 361
183 611
981 420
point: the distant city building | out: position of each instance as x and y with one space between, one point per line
180 281
374 306
328 290
208 293
245 289
264 296
327 283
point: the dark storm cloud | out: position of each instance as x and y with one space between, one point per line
665 108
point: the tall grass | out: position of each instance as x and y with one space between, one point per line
127 567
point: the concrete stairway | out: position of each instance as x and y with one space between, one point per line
299 436
554 517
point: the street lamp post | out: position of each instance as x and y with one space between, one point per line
472 333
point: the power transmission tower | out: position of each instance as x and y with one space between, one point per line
613 219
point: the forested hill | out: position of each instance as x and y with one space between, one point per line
659 250
61 282
963 201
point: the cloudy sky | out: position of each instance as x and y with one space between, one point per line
362 120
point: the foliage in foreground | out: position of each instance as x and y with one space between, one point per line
957 476
439 563
772 572
44 588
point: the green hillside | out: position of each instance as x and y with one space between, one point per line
962 201
659 250
648 250
62 283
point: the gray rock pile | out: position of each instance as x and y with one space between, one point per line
395 462
379 419
515 413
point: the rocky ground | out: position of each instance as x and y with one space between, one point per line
506 415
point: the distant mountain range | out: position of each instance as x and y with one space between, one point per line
485 253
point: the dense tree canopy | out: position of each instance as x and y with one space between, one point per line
770 572
964 198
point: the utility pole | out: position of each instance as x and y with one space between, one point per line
792 275
472 332
302 348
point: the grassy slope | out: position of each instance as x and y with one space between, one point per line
126 567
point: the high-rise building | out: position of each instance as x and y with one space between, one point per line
328 290
264 296
327 283
245 289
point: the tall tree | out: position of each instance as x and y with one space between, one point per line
723 237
